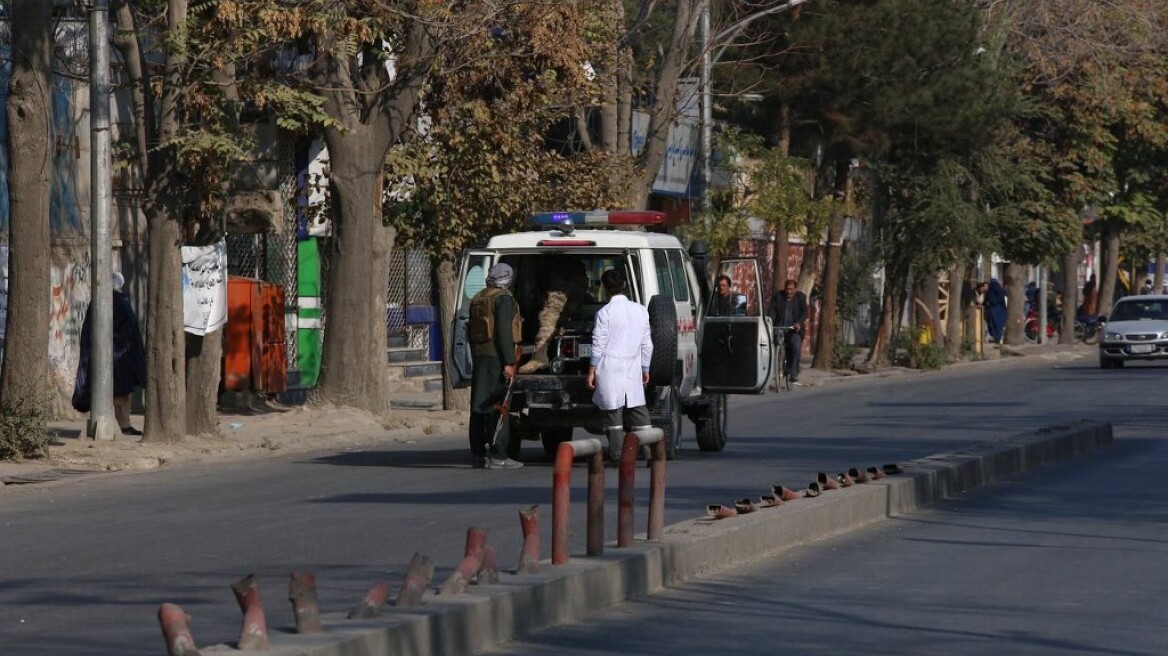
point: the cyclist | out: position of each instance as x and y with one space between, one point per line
788 313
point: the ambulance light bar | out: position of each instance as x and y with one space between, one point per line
596 218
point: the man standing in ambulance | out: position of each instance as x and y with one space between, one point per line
621 351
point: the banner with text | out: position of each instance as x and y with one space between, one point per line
204 288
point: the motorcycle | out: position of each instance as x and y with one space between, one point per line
1087 329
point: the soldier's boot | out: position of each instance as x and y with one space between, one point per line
616 441
549 316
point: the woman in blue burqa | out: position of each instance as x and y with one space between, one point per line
129 359
995 307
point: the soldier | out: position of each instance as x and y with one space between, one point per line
622 349
493 331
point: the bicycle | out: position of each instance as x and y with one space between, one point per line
782 379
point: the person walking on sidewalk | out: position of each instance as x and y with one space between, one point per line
622 348
129 363
494 329
788 314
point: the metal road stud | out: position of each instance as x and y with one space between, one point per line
476 539
302 594
372 603
529 556
176 630
254 633
488 573
418 577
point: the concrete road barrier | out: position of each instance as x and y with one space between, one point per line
492 614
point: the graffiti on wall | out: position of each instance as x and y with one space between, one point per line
68 303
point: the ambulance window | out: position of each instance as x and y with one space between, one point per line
476 279
664 277
680 282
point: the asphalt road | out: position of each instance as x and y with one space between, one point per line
1069 559
84 564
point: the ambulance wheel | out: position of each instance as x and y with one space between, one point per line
711 431
663 332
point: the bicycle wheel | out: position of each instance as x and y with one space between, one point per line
1031 330
779 367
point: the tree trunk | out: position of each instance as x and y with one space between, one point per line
928 290
624 107
1071 299
1107 282
354 370
1015 303
809 267
782 256
782 247
610 85
835 239
1158 282
26 354
446 277
878 355
165 336
664 107
956 318
204 363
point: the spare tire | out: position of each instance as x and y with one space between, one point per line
663 332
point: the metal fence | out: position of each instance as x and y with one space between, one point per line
411 284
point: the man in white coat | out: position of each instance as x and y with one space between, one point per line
619 371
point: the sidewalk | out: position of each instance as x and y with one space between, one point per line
280 430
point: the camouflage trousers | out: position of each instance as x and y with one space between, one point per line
549 317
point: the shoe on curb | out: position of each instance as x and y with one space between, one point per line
495 462
480 463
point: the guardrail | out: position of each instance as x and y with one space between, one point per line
654 438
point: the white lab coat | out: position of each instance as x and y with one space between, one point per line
621 347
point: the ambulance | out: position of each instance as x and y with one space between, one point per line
698 359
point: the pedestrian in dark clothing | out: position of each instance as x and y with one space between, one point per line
129 362
995 310
494 329
722 304
788 313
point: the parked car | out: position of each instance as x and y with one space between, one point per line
1137 329
697 359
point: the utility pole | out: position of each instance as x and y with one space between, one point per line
102 424
707 98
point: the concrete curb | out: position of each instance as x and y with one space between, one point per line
491 615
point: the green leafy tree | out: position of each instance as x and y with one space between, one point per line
494 150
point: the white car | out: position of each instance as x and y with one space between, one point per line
697 359
1136 330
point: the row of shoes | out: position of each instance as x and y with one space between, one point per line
780 494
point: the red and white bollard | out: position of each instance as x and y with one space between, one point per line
418 578
302 594
489 570
561 496
655 439
476 539
529 556
372 603
176 630
254 634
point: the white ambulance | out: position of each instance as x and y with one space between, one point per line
698 359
